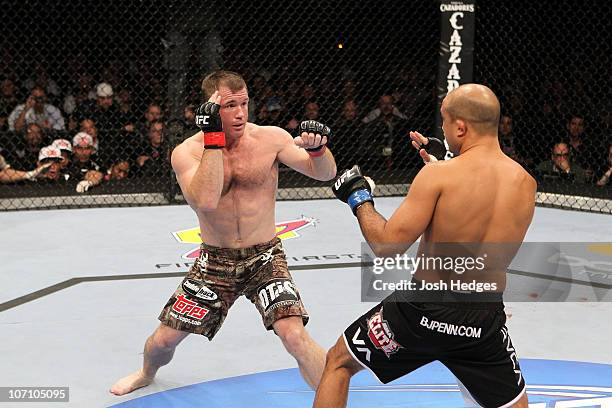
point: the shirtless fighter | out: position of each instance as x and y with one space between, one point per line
481 196
228 174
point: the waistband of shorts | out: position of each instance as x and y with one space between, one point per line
453 299
240 253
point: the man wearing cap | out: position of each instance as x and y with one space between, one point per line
102 111
66 148
83 168
50 158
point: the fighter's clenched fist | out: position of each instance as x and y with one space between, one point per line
313 136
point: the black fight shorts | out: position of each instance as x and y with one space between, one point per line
470 338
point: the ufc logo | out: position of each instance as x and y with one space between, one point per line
343 178
202 120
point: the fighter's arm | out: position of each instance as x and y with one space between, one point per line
201 180
408 222
319 167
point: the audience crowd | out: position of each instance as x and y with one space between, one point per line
102 131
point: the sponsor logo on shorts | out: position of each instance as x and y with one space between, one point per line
276 293
202 261
381 335
198 290
512 354
185 307
452 329
266 256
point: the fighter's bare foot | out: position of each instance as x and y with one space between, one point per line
130 383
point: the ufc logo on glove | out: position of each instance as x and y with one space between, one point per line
202 120
343 178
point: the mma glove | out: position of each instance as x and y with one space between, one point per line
312 126
435 147
353 188
207 118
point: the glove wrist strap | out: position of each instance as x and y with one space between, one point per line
357 198
214 140
317 151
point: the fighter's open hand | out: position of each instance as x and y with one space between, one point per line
429 148
313 137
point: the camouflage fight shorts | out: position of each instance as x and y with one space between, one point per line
220 275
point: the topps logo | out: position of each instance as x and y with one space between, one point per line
202 120
187 307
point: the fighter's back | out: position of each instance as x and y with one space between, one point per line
485 197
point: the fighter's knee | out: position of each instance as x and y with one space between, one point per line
294 338
338 357
166 338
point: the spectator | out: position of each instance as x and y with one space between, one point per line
8 100
153 113
126 109
189 120
560 166
387 133
27 153
509 142
583 150
36 110
311 112
102 111
263 115
152 158
384 103
83 168
50 158
66 149
276 116
83 93
89 126
120 170
348 136
604 179
40 79
10 175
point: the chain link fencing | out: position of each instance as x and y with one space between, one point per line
118 81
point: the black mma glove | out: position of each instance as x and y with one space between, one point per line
312 126
353 188
208 120
435 147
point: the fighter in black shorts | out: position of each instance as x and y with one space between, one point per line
481 197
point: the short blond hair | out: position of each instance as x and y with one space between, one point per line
216 79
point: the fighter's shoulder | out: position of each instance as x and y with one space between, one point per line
269 134
189 148
435 173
